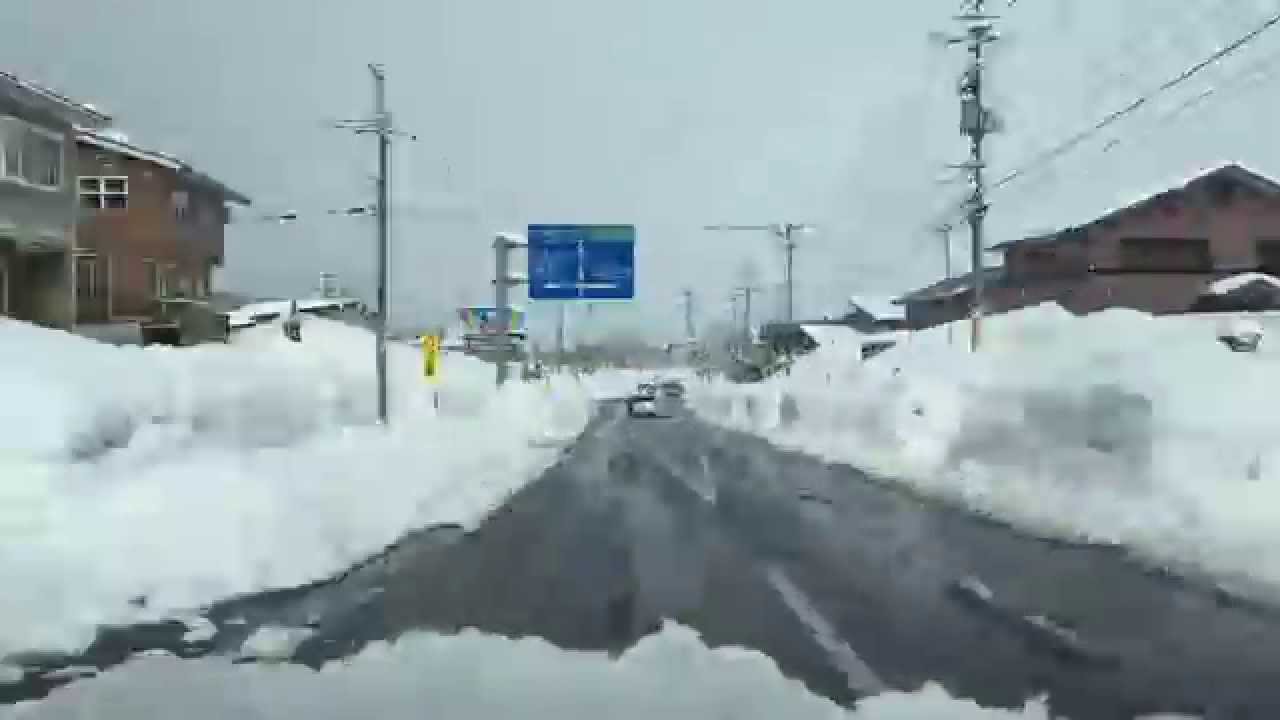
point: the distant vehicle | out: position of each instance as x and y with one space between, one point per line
644 401
672 388
642 407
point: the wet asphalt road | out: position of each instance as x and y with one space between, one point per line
850 585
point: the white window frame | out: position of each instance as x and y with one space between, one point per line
100 192
20 128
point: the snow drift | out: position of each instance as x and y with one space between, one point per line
139 482
471 676
1113 428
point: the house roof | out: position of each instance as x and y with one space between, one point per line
1232 283
952 286
879 308
1042 239
118 143
1231 171
89 113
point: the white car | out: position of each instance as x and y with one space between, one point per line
643 407
644 402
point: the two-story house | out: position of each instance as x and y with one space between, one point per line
38 200
1158 255
151 227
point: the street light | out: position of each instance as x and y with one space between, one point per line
787 232
292 216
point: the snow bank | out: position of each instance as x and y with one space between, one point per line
135 483
1115 428
471 676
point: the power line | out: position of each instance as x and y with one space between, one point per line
1255 73
1135 45
1122 67
1074 141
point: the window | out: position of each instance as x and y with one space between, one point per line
181 200
157 279
104 193
1268 250
31 155
87 280
1166 254
42 160
11 140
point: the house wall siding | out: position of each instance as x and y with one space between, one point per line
1232 228
39 223
1099 266
150 230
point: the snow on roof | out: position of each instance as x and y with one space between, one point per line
879 308
1234 171
829 335
91 112
117 142
1235 282
1082 214
113 140
267 310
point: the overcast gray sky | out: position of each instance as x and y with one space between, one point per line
669 114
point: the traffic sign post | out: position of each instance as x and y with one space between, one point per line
431 365
582 262
431 357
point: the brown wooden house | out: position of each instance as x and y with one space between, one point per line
1158 255
151 227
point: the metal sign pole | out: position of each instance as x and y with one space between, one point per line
500 295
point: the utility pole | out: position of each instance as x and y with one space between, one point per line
503 281
747 291
787 232
560 335
733 307
689 331
381 126
383 120
976 122
789 246
944 233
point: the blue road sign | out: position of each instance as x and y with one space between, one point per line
582 262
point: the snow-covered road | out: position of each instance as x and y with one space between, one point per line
850 585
